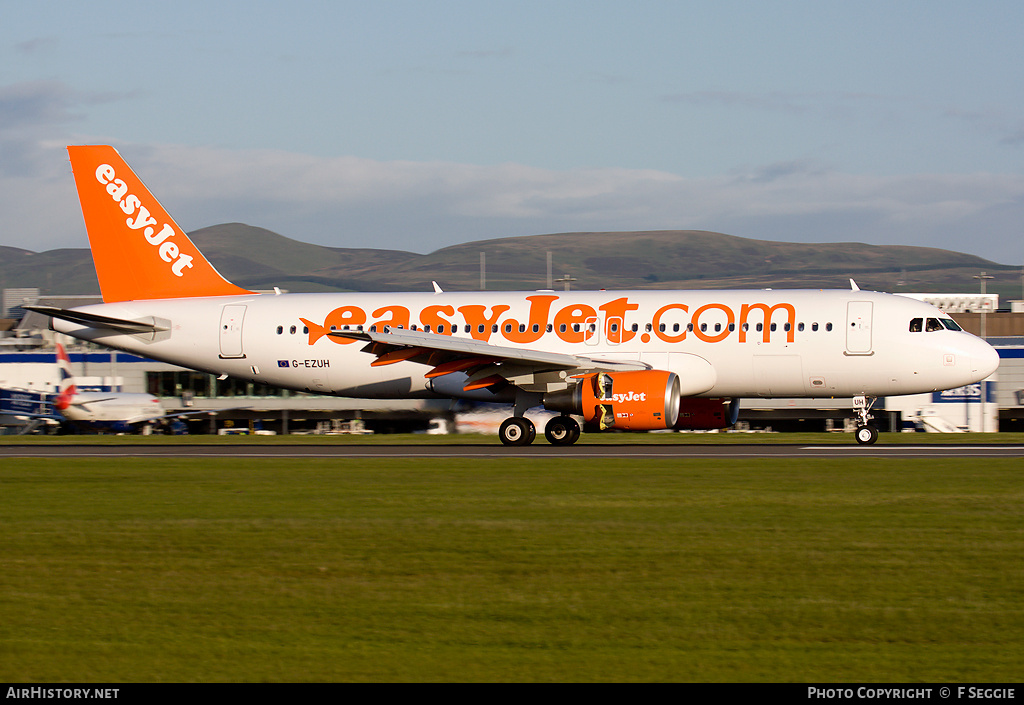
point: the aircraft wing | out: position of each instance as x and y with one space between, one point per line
85 404
143 418
484 363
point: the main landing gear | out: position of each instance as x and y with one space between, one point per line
520 431
517 431
562 431
866 434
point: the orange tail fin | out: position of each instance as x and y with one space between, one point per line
138 250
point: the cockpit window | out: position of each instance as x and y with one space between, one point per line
932 324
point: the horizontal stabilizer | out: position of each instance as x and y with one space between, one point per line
93 320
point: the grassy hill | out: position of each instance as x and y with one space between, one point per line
261 259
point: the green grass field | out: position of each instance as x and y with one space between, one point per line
511 570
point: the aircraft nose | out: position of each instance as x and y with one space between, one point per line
984 359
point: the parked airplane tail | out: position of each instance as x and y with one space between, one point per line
67 381
138 249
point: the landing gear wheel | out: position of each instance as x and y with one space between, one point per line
517 431
866 435
562 431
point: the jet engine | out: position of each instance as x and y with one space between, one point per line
643 400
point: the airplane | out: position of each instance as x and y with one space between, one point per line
72 408
120 412
613 360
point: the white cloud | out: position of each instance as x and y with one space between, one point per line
354 202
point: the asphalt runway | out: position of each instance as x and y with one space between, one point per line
539 451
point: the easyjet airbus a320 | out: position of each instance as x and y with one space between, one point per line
622 360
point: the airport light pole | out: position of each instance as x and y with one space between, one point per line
983 278
984 304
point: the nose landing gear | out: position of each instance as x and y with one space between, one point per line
866 434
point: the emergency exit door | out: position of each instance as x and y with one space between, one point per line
858 328
231 318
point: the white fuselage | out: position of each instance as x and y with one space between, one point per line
112 408
743 343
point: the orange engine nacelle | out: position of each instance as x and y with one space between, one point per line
696 414
644 400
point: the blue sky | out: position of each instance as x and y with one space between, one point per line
416 125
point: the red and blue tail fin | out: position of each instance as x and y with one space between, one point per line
67 381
